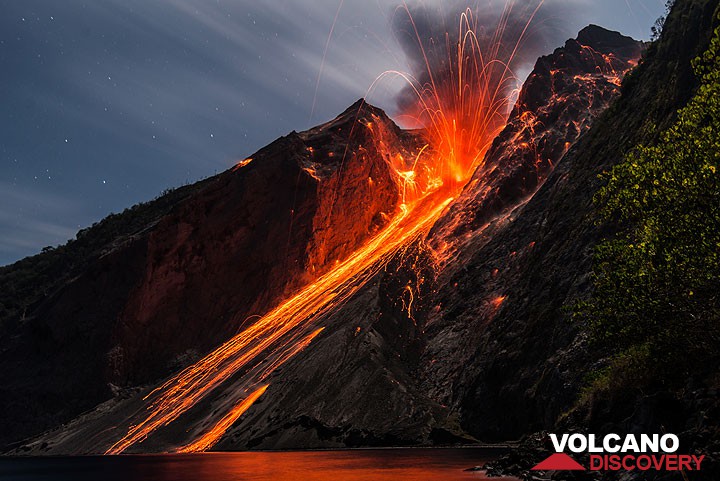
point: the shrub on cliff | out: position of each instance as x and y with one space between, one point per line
657 282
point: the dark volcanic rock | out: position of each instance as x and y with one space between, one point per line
256 235
560 99
488 353
150 301
524 360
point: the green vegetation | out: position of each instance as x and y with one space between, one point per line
656 304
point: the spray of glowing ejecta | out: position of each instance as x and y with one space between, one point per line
461 109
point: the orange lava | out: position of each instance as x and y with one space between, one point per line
498 301
242 164
279 330
461 115
210 438
465 106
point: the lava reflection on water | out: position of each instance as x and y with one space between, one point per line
345 465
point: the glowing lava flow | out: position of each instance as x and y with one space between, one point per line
213 435
462 114
463 99
208 440
184 390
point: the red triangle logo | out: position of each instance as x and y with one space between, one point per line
559 462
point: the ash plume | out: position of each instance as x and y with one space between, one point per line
518 33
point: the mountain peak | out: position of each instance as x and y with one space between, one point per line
361 106
604 40
359 111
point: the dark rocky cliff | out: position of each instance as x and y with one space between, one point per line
528 364
560 99
379 375
486 353
176 277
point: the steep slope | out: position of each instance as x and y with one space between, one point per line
359 383
475 344
558 103
526 359
560 99
375 377
189 271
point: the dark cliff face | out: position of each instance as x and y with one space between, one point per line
150 301
488 353
255 236
394 379
489 235
500 232
526 361
560 99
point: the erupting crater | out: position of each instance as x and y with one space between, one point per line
310 222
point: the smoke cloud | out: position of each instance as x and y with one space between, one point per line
428 36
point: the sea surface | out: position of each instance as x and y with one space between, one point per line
342 465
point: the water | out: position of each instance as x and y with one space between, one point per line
345 465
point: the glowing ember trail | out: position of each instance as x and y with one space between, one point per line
462 113
211 437
290 353
183 391
463 106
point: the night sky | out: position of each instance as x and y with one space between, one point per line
105 103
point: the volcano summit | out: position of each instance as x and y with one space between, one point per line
355 284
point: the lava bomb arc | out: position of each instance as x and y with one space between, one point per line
477 136
462 109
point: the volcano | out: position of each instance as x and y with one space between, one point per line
305 299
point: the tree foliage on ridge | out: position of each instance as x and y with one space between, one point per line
657 282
